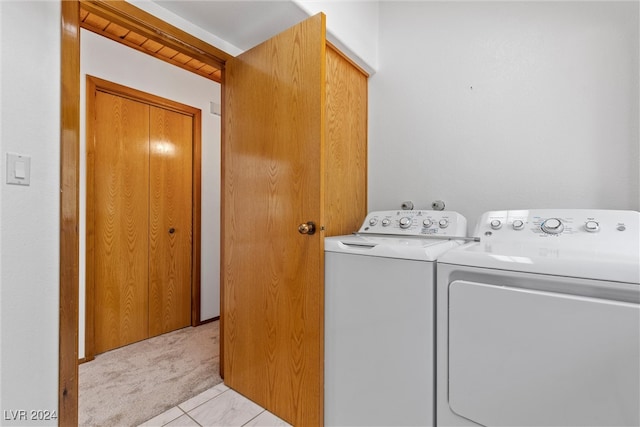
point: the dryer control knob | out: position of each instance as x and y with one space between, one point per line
386 222
552 226
496 224
592 226
373 221
443 223
518 224
405 222
427 223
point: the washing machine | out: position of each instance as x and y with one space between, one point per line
380 318
538 323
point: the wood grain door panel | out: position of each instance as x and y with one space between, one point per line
121 221
140 198
170 231
272 182
346 145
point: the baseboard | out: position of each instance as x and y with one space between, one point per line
85 360
204 322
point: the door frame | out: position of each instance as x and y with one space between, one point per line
132 18
96 84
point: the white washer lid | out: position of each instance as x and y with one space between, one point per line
590 243
411 248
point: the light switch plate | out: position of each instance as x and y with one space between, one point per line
18 169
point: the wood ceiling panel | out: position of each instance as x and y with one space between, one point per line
167 52
134 38
208 69
195 64
96 22
116 30
181 58
152 46
128 36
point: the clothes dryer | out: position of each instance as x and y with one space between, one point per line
539 322
380 318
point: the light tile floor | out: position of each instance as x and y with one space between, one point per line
218 406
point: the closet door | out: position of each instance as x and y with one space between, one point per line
170 233
121 221
139 262
345 175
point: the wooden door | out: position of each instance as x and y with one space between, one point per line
121 221
272 276
139 245
170 231
345 145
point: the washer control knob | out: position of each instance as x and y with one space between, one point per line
443 223
518 224
496 224
386 222
405 222
552 226
373 221
427 223
592 226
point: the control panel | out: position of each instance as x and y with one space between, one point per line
415 223
558 224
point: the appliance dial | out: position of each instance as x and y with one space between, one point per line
386 222
427 223
552 226
518 224
496 224
443 223
592 226
405 222
373 221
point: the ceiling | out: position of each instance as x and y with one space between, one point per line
244 24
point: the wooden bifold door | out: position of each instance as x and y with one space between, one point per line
139 219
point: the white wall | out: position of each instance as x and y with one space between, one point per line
352 26
155 8
108 60
506 105
29 216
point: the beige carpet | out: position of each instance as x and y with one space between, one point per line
132 384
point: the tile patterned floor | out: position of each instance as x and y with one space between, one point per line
218 406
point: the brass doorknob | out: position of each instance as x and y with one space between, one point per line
308 228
